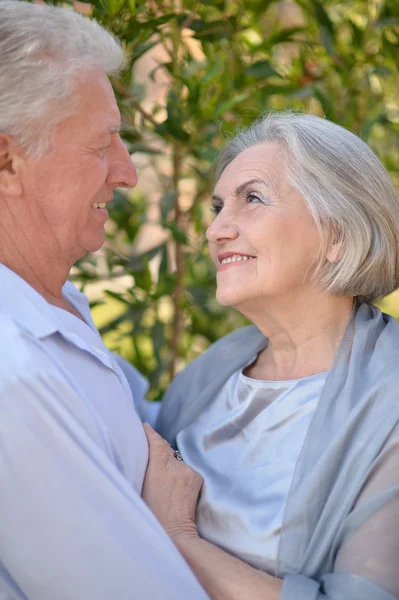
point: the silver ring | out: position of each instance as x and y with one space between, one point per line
178 456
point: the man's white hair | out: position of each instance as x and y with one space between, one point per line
43 49
348 192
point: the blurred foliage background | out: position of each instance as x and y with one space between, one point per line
195 72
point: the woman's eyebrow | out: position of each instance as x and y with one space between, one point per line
240 188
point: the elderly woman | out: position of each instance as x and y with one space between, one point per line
291 423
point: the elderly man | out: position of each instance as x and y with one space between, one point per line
73 453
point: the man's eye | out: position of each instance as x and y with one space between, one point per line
102 151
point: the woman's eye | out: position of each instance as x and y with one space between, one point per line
251 198
216 209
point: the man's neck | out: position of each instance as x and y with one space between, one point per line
45 277
50 287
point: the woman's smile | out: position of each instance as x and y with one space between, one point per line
232 259
256 208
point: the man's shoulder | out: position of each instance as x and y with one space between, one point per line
21 354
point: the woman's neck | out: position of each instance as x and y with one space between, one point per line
303 337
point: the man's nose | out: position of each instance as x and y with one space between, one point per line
122 170
222 229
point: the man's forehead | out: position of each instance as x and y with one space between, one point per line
102 130
97 105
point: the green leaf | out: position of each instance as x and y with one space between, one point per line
326 26
284 36
141 49
388 22
150 26
358 35
327 105
178 234
212 31
158 338
174 124
328 40
168 202
369 124
165 286
142 148
143 278
165 65
138 262
383 70
262 69
112 7
224 107
322 16
117 296
213 70
279 90
164 266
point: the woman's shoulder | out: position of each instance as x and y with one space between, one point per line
200 381
234 349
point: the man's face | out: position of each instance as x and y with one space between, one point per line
87 160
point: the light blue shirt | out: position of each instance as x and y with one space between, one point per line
73 455
246 445
340 537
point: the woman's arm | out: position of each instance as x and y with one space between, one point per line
171 490
366 562
223 576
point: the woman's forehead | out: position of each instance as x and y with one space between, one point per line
264 162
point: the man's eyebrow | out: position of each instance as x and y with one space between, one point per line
109 131
241 187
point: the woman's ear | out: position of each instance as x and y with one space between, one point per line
10 161
335 250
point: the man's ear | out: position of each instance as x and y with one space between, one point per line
10 162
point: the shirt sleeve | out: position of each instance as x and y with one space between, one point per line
366 565
146 410
71 526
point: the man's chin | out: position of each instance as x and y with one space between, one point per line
93 244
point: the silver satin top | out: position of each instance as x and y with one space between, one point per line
246 445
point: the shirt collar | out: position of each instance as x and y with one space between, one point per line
29 309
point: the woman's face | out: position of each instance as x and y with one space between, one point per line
263 240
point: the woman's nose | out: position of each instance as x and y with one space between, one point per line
221 230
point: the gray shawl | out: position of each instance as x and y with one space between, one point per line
340 538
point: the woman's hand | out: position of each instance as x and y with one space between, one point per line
171 488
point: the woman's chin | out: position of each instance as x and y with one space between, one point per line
222 298
226 298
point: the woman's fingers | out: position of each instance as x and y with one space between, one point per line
160 451
171 488
153 437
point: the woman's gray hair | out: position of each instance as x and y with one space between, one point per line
43 49
348 192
